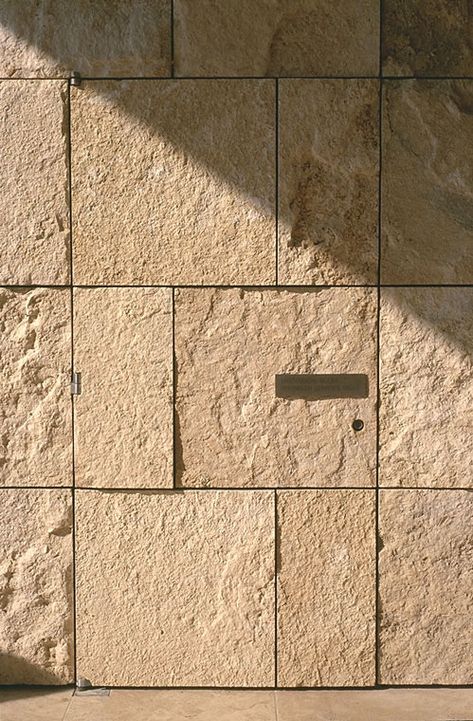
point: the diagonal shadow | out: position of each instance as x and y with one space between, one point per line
300 213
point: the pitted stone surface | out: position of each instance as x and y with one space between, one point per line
51 38
326 597
232 429
35 587
427 223
276 37
426 582
176 588
426 382
174 182
427 37
35 404
34 235
123 415
328 181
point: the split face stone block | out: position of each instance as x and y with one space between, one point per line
34 236
51 38
426 383
232 429
35 402
176 588
426 582
276 37
36 624
328 182
427 38
326 597
174 182
427 212
123 415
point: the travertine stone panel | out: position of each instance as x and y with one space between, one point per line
123 415
427 37
51 38
427 179
173 705
174 182
387 704
326 580
34 233
232 430
35 404
35 587
426 582
187 579
276 37
328 181
426 384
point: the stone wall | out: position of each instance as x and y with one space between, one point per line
232 191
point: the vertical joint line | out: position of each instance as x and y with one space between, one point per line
276 199
378 348
174 379
172 39
276 556
73 469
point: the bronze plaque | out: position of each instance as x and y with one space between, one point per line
322 386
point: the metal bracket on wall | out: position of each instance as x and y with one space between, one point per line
76 385
75 79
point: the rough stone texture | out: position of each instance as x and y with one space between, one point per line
232 430
123 415
426 384
188 580
426 582
276 37
387 704
326 580
427 37
50 38
328 181
34 234
173 182
427 179
35 405
35 587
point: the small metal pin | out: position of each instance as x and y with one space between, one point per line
357 424
76 384
75 79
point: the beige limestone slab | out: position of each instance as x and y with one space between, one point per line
174 182
123 415
175 588
34 235
427 38
232 429
276 37
151 705
35 586
35 350
51 38
426 582
383 705
426 384
34 703
328 181
326 588
427 208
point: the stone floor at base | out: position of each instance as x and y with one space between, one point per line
29 703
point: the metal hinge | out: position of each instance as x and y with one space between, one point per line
75 79
76 384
